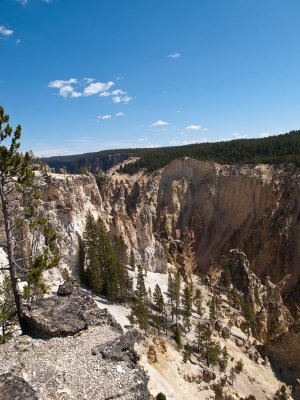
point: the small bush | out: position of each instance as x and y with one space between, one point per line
161 396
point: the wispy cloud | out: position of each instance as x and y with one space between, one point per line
87 87
24 2
195 128
174 55
185 142
264 135
120 114
82 140
5 31
144 139
121 99
106 116
159 123
237 135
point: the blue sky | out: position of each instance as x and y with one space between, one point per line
86 76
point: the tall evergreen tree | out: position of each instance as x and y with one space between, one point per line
7 308
159 307
132 259
24 224
171 294
198 303
177 286
187 303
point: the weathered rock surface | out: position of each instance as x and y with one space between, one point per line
271 317
121 349
63 368
284 353
63 316
194 212
15 388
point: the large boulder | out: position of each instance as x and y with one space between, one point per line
121 349
65 315
15 388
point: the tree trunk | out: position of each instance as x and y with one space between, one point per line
11 259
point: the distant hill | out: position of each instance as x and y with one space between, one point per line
272 150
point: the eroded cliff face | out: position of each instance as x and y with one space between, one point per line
193 212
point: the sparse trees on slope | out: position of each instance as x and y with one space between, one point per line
187 302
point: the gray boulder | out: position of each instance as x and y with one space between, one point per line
14 388
65 315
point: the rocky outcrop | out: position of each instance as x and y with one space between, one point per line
284 354
271 317
63 368
15 388
121 349
63 316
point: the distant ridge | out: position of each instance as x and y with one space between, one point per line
279 149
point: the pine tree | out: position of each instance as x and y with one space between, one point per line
24 224
93 272
214 307
120 250
171 294
177 284
224 359
159 306
132 259
187 302
177 337
199 336
7 308
141 292
198 302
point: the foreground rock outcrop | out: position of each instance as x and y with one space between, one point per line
65 315
64 368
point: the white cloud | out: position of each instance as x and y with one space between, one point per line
75 94
120 114
23 2
18 41
66 90
88 87
145 139
237 135
106 116
118 92
159 123
5 31
105 94
174 55
121 99
60 83
193 128
97 87
264 135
